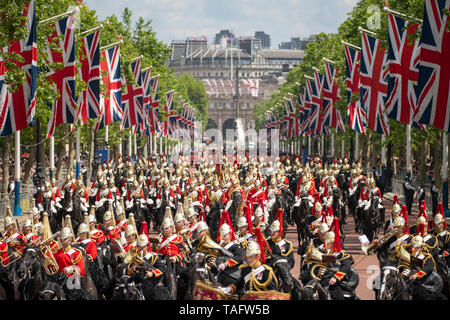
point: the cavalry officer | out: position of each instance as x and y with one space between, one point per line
14 238
282 249
441 233
131 237
229 268
70 260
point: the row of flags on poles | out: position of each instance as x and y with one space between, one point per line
136 107
409 82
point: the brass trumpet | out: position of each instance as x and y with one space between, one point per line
370 249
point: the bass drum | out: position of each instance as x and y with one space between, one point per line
203 291
266 295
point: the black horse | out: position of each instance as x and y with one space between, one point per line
300 212
234 208
288 284
371 219
213 219
34 283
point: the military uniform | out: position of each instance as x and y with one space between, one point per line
230 275
282 250
70 257
259 277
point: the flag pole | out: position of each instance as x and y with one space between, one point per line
343 147
386 9
356 146
408 149
78 167
17 209
351 45
90 31
111 45
445 173
52 156
130 155
135 147
58 16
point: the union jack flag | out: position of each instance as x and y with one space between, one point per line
356 115
147 91
170 124
403 58
374 87
434 67
17 109
331 94
64 109
89 102
136 69
132 107
111 100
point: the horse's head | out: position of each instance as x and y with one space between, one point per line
126 289
389 282
29 265
282 270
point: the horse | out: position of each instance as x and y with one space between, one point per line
213 219
77 214
234 208
288 284
339 210
34 283
392 285
126 289
300 212
198 271
370 220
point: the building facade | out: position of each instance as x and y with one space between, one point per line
260 73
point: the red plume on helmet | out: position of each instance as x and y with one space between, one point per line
422 203
144 230
395 201
423 213
202 216
317 198
337 235
225 218
248 218
440 209
405 217
279 217
421 229
262 244
330 211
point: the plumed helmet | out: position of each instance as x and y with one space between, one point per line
259 212
107 216
438 218
399 222
252 249
66 233
191 212
417 241
242 222
224 229
142 240
275 226
318 207
8 221
130 230
324 227
83 228
91 218
396 208
422 220
179 216
202 226
329 237
167 222
27 223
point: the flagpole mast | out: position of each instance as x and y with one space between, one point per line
129 145
408 148
343 147
356 146
77 166
58 16
17 209
52 156
445 172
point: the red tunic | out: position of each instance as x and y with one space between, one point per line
169 247
4 253
90 248
70 257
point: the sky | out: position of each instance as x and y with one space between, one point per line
281 19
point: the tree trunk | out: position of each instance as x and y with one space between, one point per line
437 160
423 168
5 165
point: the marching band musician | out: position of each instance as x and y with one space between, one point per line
245 229
14 238
229 272
131 238
96 234
282 249
441 233
70 260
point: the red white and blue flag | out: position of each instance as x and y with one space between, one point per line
17 109
403 59
374 87
434 67
171 116
89 102
64 109
111 100
331 94
132 101
356 115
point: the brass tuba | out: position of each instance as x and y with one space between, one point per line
315 259
404 267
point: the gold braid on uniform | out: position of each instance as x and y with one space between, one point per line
258 286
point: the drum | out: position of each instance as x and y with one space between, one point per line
266 295
203 291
